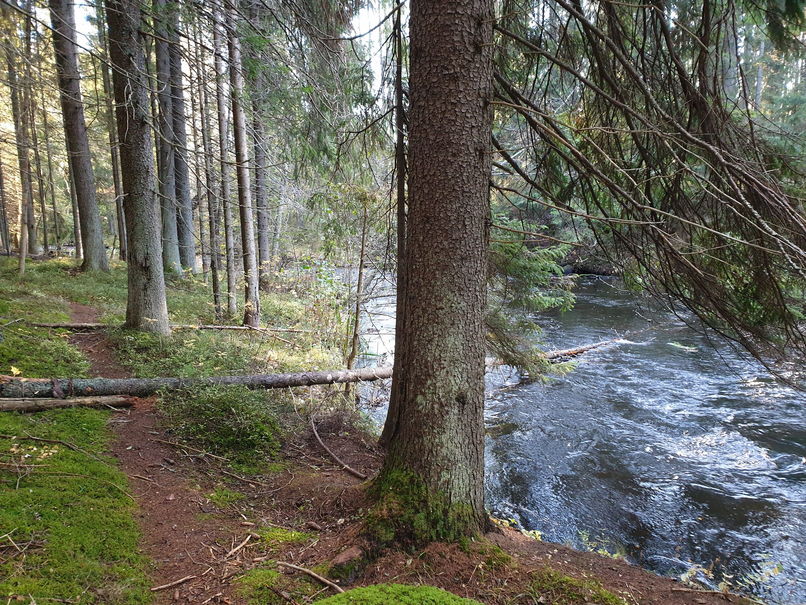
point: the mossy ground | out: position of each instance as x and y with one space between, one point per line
66 514
555 587
383 594
266 585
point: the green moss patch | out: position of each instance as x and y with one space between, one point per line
278 536
560 589
406 512
66 514
387 594
223 497
266 585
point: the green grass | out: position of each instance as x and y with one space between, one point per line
69 511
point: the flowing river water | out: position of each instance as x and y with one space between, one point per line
664 447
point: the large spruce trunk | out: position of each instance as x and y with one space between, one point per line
146 308
434 469
75 135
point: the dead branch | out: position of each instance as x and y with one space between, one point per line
343 464
172 584
313 574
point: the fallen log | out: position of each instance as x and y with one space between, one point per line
41 404
563 353
92 326
143 387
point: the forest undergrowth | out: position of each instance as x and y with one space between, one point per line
75 528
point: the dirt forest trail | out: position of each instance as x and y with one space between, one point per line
180 536
309 511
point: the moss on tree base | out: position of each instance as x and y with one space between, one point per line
408 513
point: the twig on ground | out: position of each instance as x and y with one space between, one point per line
244 479
344 465
192 449
313 574
239 547
172 584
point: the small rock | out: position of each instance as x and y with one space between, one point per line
347 556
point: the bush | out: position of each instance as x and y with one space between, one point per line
232 421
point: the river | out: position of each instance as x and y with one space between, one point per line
666 447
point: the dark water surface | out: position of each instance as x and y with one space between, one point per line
663 448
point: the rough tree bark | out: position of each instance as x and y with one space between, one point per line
251 315
166 144
146 308
75 134
435 459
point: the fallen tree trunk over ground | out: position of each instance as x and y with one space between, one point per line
42 404
101 326
142 387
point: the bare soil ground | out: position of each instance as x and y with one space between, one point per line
205 547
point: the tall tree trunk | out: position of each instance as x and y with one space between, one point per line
40 177
251 315
49 161
75 134
436 451
71 190
390 426
184 204
146 308
223 138
261 196
212 205
4 232
198 160
112 131
19 112
167 141
260 140
759 86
